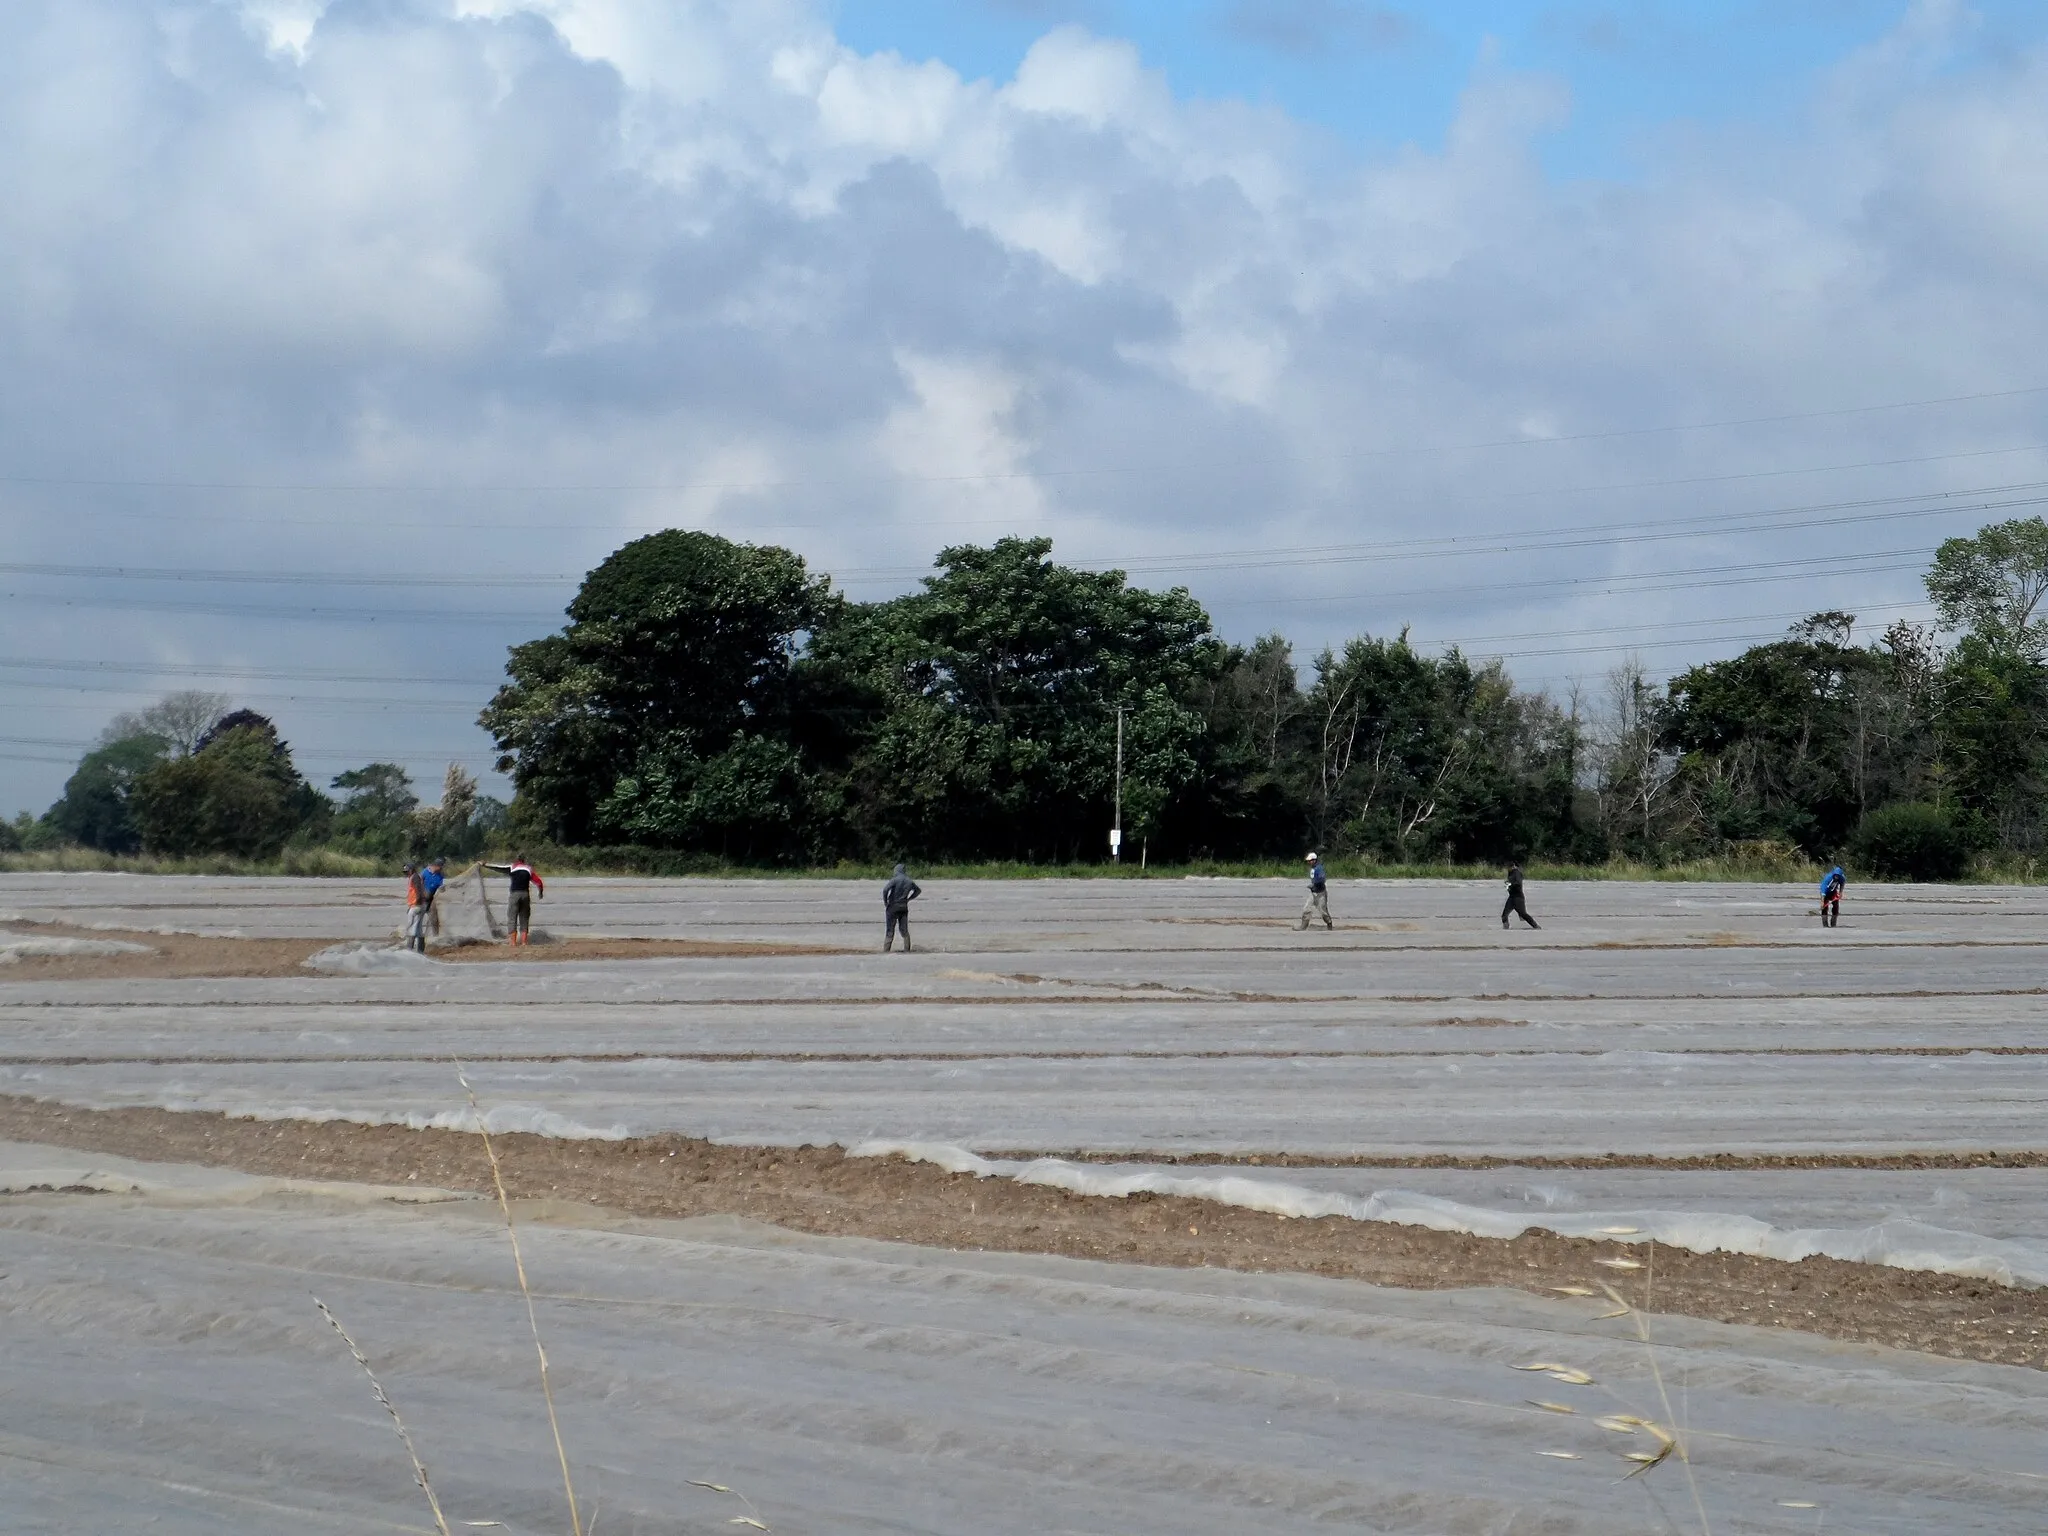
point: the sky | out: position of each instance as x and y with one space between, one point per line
338 340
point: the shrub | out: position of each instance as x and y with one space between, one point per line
1913 841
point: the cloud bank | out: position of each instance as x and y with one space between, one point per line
476 290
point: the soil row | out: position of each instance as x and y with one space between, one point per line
821 1190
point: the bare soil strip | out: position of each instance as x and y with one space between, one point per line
190 954
857 1058
821 1190
1725 1162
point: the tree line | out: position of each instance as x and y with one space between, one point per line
718 699
192 775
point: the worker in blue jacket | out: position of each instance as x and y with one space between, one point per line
1831 897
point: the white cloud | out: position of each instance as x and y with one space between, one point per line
634 243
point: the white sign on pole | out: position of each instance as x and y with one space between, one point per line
1116 840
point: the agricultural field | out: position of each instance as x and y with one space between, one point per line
1118 1206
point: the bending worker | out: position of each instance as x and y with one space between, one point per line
1831 897
897 896
432 878
1318 902
525 886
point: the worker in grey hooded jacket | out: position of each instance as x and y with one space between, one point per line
897 896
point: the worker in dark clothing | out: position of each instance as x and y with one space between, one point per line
1515 903
1831 897
897 896
526 885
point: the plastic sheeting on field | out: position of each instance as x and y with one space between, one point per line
167 1370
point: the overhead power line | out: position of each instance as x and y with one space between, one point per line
277 578
1523 440
310 753
302 703
1623 585
1973 500
328 705
756 526
230 672
1625 581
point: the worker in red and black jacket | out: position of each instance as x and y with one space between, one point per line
525 886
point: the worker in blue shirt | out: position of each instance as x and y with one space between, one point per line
1318 903
432 878
1831 897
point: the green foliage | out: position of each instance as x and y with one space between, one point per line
744 802
96 809
1993 706
1410 757
678 647
1770 742
376 813
1991 585
1914 841
238 795
711 704
989 704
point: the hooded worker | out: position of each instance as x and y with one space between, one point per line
897 896
1831 897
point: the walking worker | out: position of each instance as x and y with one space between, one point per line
1515 904
415 911
1831 897
897 896
1318 902
526 885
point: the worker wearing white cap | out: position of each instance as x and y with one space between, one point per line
1318 903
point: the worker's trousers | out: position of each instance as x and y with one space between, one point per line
1317 905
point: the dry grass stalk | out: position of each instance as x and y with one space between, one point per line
1669 1441
751 1519
419 1470
547 1391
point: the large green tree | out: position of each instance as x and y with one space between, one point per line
659 714
1765 739
97 805
1249 798
1992 726
1406 756
991 700
239 794
1993 585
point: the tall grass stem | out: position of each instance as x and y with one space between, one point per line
419 1470
547 1390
